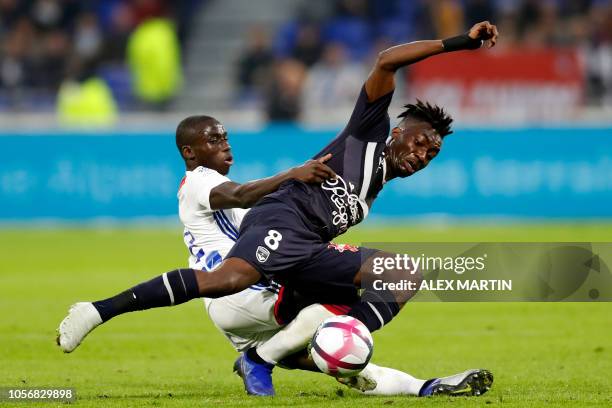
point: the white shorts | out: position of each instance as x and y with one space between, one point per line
245 318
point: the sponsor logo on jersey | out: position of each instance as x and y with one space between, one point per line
346 203
262 254
342 247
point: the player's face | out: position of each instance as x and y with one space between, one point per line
213 149
412 147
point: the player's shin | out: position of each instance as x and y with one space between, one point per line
376 380
375 309
171 288
295 336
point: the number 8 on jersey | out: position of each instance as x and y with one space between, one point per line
273 239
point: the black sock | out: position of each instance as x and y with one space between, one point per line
375 309
253 356
172 288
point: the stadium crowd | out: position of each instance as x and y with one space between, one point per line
320 57
317 58
46 42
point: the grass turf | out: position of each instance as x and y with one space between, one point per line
541 354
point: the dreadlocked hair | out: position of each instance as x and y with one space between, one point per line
432 114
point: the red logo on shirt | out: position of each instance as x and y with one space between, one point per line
342 247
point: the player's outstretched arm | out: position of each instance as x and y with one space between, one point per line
234 195
381 80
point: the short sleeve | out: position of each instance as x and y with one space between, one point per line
370 120
203 181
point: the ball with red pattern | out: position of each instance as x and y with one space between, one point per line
342 346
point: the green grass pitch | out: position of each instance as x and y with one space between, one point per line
541 354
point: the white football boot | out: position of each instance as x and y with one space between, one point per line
468 383
82 318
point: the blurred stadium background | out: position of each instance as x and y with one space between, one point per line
294 59
99 86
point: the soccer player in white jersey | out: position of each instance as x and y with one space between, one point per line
211 208
252 319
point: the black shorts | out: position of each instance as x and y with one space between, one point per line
277 242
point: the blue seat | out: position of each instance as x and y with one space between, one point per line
285 39
354 33
119 81
396 30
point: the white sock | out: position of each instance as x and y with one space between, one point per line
295 336
391 382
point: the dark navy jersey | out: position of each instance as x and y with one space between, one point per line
358 159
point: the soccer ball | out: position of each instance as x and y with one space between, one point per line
342 346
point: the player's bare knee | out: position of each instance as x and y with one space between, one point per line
212 285
417 276
200 278
224 281
235 282
392 273
404 285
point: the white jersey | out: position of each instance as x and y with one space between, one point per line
246 318
209 234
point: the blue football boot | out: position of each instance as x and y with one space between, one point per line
257 378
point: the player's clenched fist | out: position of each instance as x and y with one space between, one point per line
486 32
314 171
480 34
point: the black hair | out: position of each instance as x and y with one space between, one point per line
432 114
187 130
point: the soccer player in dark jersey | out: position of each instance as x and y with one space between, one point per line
286 236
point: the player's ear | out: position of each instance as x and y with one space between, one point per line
396 132
187 153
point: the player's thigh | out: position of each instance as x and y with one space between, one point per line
242 344
330 274
379 264
392 276
245 313
276 247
